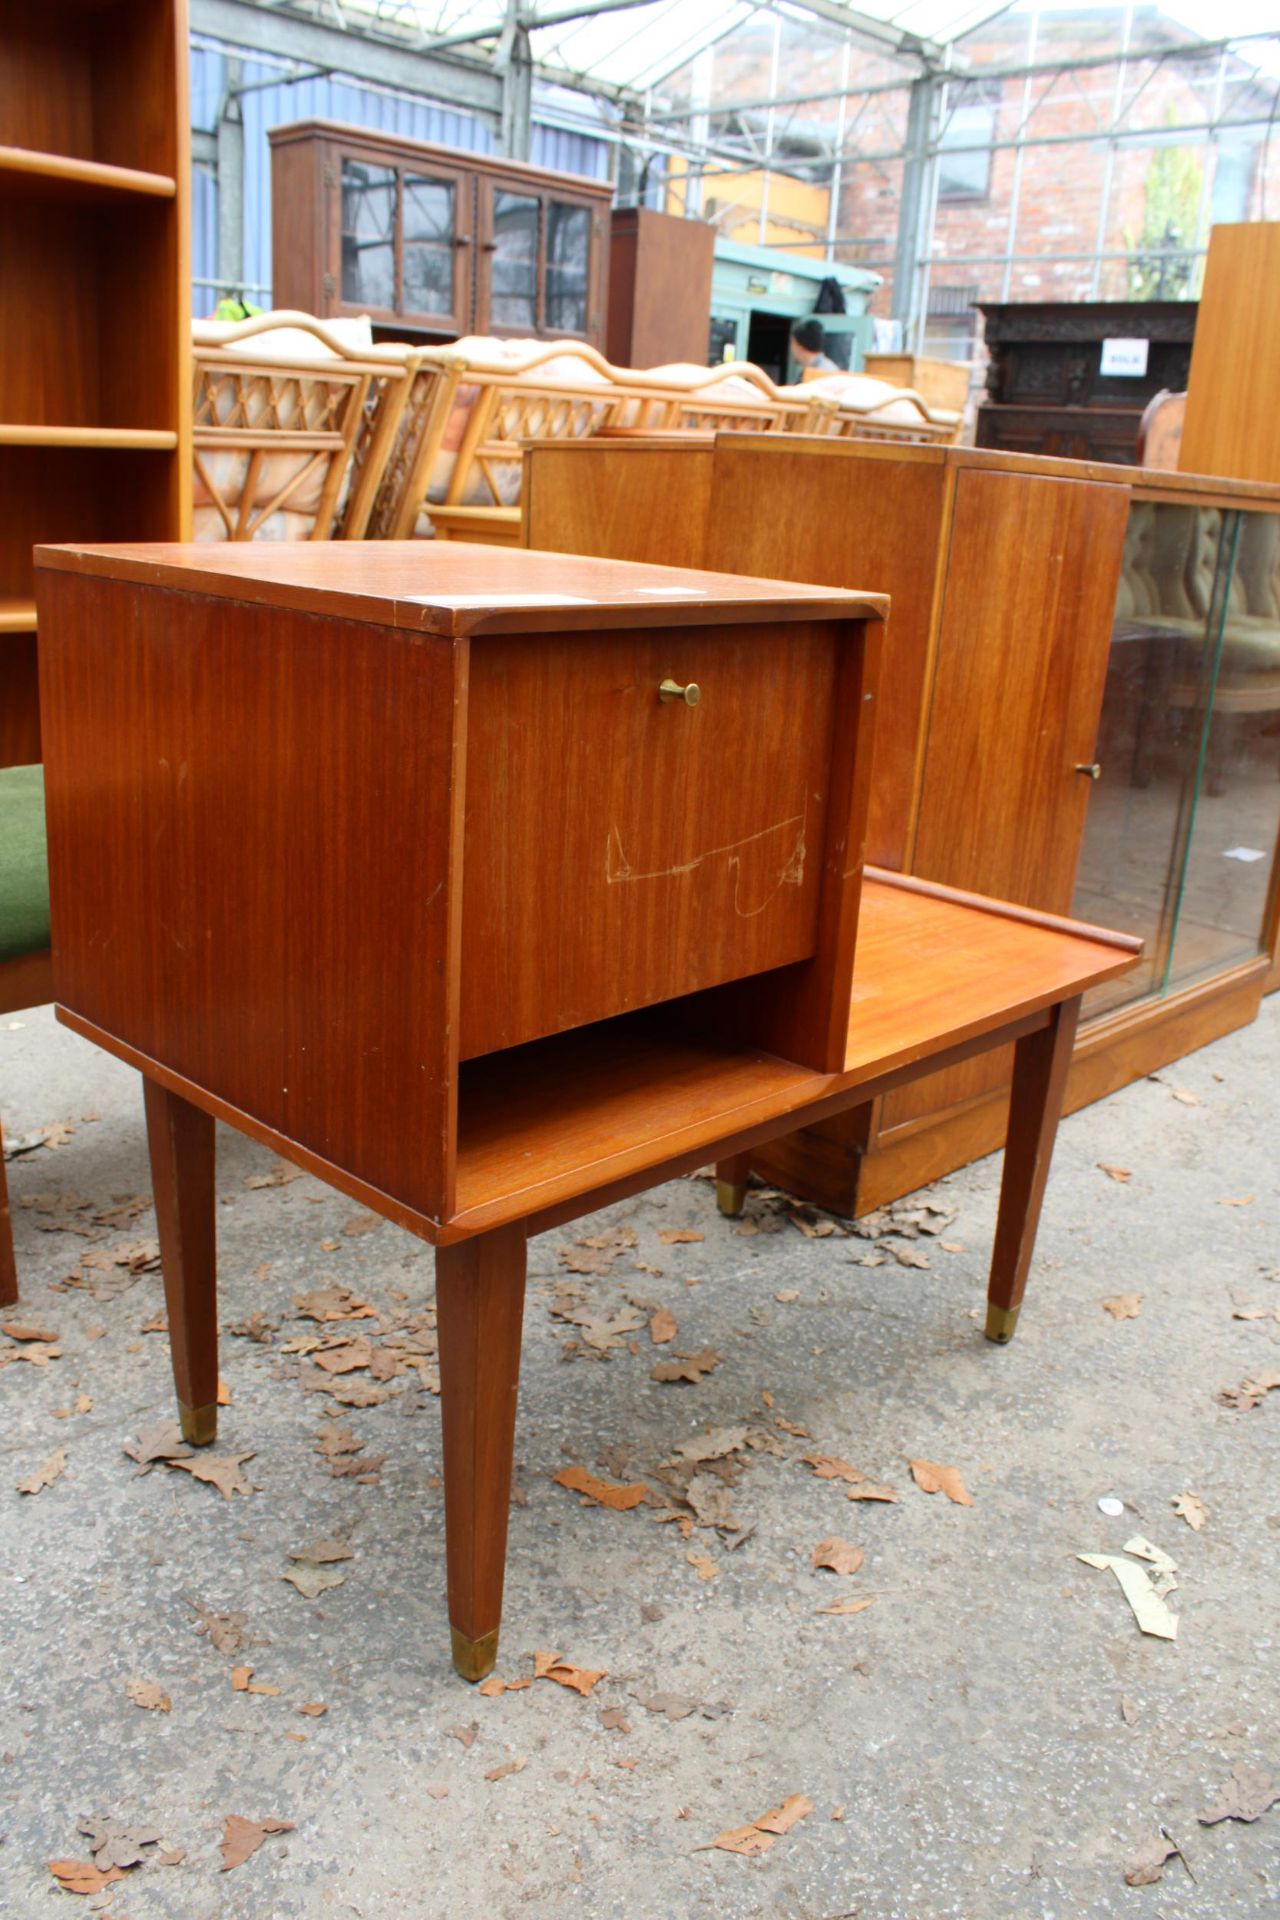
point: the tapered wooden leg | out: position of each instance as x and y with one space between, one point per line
1040 1066
180 1138
731 1182
8 1268
479 1311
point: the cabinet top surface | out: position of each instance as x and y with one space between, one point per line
449 588
342 133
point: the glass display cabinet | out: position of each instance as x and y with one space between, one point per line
1181 834
433 242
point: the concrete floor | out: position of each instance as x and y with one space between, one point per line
964 1739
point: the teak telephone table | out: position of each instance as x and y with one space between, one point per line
491 886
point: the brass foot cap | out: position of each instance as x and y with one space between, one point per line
730 1199
1001 1322
473 1659
199 1424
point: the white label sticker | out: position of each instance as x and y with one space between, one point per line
1127 358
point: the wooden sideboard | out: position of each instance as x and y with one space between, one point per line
1047 392
532 920
1009 676
434 242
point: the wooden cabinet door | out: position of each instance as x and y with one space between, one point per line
1023 644
1025 633
622 850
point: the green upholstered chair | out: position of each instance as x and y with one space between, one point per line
26 977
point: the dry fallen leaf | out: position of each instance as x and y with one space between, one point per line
313 1709
848 1606
312 1581
18 1330
81 1876
1192 1509
508 1767
869 1492
46 1473
679 1236
1246 1796
320 1552
687 1366
703 1564
662 1326
115 1843
220 1470
761 1834
828 1467
1249 1392
553 1666
1148 1863
931 1478
840 1555
147 1693
280 1176
241 1837
333 1303
1114 1173
1124 1306
605 1493
359 1223
1245 1200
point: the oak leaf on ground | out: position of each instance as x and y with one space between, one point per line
220 1470
241 1837
662 1326
828 1467
761 1834
46 1473
1124 1306
1246 1796
553 1666
1191 1509
605 1493
858 1604
687 1366
931 1478
841 1556
81 1876
149 1694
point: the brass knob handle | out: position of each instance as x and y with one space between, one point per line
672 690
1090 767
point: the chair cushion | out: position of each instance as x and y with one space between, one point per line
24 872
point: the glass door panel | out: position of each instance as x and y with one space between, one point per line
1237 819
568 262
430 229
514 299
1190 721
368 236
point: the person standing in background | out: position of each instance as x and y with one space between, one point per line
807 343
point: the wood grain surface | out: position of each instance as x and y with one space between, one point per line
1232 423
251 835
622 850
451 588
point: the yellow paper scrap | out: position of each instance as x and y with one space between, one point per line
1149 1609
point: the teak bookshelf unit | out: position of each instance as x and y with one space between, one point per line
95 401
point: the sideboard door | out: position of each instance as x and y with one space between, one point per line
1025 631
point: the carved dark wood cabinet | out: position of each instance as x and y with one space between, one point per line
1047 391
